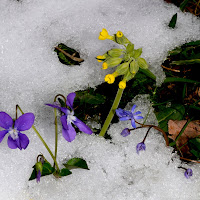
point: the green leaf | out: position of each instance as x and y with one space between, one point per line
183 80
47 170
193 43
130 48
194 145
65 172
175 112
65 59
172 23
76 163
186 62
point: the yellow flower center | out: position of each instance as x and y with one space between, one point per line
119 34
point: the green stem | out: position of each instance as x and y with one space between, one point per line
112 112
45 144
56 127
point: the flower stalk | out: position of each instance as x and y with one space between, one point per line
112 112
42 140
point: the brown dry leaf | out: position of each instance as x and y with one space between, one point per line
191 131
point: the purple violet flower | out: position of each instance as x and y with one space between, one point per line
68 130
127 115
188 173
140 147
125 132
38 176
16 139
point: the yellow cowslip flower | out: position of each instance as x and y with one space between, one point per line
104 35
122 84
110 78
119 34
100 57
104 65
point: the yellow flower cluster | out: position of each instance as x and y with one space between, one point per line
104 35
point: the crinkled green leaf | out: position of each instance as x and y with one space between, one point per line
175 112
172 23
186 62
47 170
76 163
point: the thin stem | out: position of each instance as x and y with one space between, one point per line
112 112
157 128
147 134
56 127
38 134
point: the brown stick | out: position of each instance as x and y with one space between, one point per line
174 70
189 160
70 56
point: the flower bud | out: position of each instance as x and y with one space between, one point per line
121 39
39 166
130 48
112 62
134 67
122 84
128 76
123 68
137 53
142 63
115 52
110 78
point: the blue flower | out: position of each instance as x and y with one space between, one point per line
140 147
16 139
125 132
188 173
68 119
127 115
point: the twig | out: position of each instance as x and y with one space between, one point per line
174 70
189 160
70 56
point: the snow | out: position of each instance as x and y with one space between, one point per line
31 76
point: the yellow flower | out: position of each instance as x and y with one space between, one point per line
110 78
104 65
100 57
122 84
119 34
104 35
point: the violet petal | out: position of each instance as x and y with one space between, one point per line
64 110
70 99
38 176
24 122
82 126
133 108
12 143
63 120
138 117
5 120
69 134
133 123
23 140
2 134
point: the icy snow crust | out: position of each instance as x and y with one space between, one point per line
31 76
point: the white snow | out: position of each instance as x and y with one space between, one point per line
31 75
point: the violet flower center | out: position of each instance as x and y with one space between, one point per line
70 117
13 133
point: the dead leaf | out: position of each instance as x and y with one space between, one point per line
191 131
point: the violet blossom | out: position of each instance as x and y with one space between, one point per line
188 173
68 119
128 115
16 139
140 147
